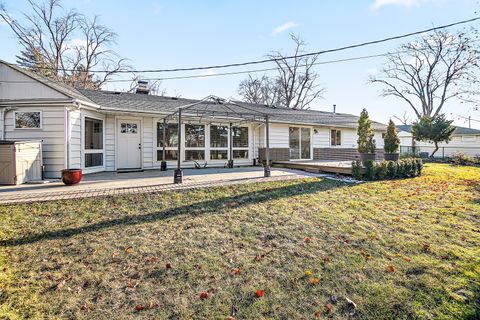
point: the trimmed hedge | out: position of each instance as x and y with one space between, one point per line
405 168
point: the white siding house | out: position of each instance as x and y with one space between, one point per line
464 140
110 131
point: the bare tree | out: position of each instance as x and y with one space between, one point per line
296 85
46 35
404 119
434 69
262 90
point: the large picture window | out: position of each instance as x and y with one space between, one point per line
218 142
93 147
240 142
194 142
28 120
171 141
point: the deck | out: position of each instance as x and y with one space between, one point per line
317 166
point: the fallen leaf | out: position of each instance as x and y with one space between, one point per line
203 295
236 271
317 314
464 238
426 247
390 268
308 273
407 259
326 258
259 293
152 259
168 266
329 308
139 307
307 239
314 281
129 250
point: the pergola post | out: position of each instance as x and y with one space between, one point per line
178 174
163 165
266 168
230 147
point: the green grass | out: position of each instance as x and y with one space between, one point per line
101 258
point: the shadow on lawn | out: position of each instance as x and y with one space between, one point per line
205 207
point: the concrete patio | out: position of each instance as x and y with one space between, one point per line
149 181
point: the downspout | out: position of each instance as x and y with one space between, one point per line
3 112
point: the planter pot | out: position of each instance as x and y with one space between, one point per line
367 156
392 156
71 176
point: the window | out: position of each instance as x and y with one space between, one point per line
240 154
93 142
240 137
194 136
218 136
240 142
128 128
335 137
169 155
299 143
218 154
191 155
171 135
28 120
171 141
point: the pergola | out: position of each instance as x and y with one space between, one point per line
213 106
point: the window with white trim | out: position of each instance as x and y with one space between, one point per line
93 142
28 120
218 142
335 137
240 142
194 142
171 141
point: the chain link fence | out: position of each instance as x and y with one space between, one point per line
442 152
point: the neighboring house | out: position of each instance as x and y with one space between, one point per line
465 140
109 131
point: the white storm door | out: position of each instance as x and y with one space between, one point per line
129 145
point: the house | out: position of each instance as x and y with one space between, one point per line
465 140
111 131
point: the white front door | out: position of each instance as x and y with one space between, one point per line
129 145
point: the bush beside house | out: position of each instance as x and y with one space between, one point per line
366 142
371 170
392 142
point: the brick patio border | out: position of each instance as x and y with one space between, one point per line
20 197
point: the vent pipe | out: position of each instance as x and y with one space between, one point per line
334 109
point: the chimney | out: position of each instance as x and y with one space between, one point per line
142 87
334 109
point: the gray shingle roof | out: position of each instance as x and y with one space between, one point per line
458 130
146 103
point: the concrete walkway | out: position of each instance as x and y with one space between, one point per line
151 181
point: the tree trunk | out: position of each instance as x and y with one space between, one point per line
434 150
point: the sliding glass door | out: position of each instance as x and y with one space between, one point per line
299 143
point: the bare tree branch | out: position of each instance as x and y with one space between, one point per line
430 71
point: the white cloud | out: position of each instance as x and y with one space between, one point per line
404 3
284 27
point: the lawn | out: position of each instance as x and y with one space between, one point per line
405 249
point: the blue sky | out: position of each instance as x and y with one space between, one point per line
166 34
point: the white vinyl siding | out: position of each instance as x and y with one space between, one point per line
147 142
18 86
110 129
52 135
75 145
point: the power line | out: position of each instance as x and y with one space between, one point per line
224 73
283 58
